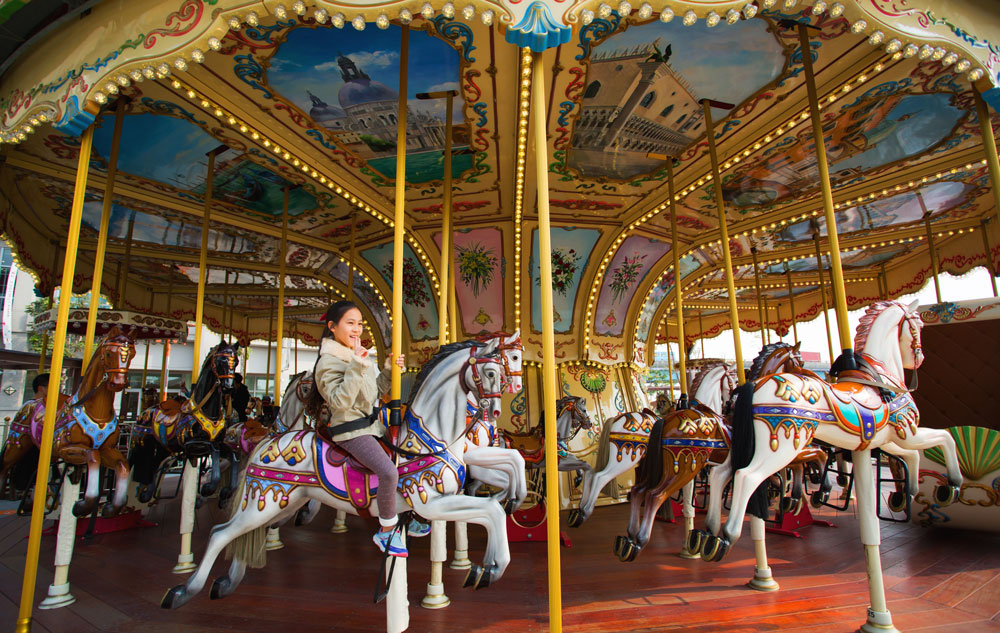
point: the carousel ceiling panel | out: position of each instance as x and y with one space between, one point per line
572 250
661 292
643 84
850 259
419 305
479 267
626 271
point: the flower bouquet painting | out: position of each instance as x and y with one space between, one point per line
476 265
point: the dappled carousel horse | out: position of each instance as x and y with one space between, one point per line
868 407
288 470
86 426
192 428
623 439
691 439
572 416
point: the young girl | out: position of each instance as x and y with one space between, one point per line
348 382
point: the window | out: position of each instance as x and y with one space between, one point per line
592 90
681 120
667 110
648 100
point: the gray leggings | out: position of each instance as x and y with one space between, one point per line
366 450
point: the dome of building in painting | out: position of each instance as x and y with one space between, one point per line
358 87
322 111
361 91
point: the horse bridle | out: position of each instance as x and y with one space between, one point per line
503 347
575 413
472 363
231 362
122 349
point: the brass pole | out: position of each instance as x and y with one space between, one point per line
885 283
791 304
989 146
199 313
164 361
350 264
837 270
267 370
670 362
102 235
935 269
701 328
822 294
52 398
296 335
760 303
123 272
445 289
453 325
52 294
538 122
678 293
989 257
727 258
765 327
398 230
280 331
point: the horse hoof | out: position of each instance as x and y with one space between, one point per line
789 504
485 578
473 577
220 588
819 497
83 508
694 541
714 549
841 480
508 506
145 496
632 553
575 518
109 510
897 501
207 490
619 544
946 495
173 598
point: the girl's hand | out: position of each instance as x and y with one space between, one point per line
359 351
400 361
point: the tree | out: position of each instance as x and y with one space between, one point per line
74 342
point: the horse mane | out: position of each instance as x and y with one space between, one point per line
865 327
765 353
435 360
700 378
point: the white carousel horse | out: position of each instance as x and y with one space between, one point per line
288 470
623 439
775 416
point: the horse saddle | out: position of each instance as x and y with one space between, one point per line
858 409
171 407
530 445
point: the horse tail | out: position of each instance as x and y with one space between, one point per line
650 469
742 447
604 456
248 546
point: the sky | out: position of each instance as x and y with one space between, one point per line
975 284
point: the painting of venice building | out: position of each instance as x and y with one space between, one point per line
634 103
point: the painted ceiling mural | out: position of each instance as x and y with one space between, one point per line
479 284
347 80
660 293
643 85
419 304
625 272
571 251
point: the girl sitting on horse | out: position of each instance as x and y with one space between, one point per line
348 382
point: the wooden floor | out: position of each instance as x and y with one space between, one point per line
937 581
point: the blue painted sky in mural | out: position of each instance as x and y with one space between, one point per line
422 319
173 151
915 124
572 249
660 293
309 71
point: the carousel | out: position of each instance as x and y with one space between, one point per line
579 182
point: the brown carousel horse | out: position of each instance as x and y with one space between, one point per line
691 439
86 427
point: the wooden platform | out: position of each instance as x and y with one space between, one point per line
938 581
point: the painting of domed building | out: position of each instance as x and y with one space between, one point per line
353 93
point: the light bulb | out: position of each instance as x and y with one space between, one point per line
299 7
281 12
667 14
689 18
338 20
645 11
448 10
468 12
427 11
859 26
819 8
487 17
358 22
180 64
214 43
321 15
405 16
382 21
197 56
837 10
712 18
586 16
252 19
876 38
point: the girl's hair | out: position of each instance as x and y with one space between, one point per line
314 401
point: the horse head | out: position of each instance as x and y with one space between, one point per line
112 358
889 332
224 361
483 377
910 347
572 409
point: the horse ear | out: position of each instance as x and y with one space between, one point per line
515 336
797 347
912 308
489 348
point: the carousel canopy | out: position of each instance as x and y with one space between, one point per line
303 97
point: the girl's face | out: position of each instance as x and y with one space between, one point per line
348 330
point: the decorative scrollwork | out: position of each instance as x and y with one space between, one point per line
191 11
160 106
249 71
457 33
596 31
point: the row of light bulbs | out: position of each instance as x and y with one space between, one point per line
522 144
